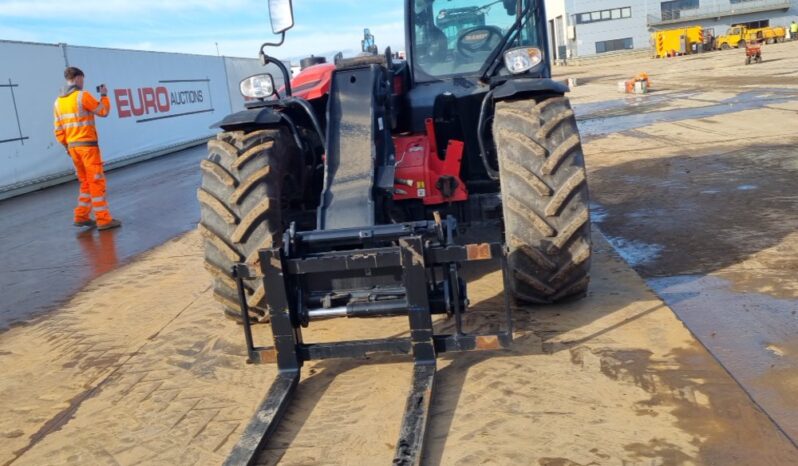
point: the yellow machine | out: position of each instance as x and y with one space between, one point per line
738 36
682 41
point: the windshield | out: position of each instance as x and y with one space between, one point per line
456 37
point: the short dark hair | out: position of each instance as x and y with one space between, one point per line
72 73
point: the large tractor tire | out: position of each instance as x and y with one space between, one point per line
241 209
545 199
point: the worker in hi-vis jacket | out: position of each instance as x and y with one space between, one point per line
74 128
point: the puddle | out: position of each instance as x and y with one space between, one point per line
596 120
643 214
597 213
635 252
627 104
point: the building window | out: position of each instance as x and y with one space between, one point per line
612 45
604 15
673 9
756 24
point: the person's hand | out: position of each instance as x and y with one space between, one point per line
103 90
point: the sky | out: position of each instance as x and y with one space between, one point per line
322 27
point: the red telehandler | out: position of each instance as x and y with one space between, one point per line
358 189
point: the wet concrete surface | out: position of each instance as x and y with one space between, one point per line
692 214
45 259
763 328
618 115
708 229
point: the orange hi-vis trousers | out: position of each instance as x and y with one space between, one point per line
89 168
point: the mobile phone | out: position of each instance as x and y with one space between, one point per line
98 87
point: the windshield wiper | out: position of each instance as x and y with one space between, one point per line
484 8
490 63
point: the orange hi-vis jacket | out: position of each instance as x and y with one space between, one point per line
74 117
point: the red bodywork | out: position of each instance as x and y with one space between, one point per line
419 169
420 172
313 82
753 49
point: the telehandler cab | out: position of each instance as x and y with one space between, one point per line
357 189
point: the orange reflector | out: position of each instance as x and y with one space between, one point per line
268 355
478 252
488 342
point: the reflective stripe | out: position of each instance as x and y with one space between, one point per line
84 204
79 124
59 128
56 115
98 176
101 209
98 199
67 115
81 111
83 144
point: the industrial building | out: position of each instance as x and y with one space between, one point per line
580 28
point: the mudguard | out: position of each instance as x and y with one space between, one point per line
247 118
519 86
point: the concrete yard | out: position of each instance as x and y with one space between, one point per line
685 351
696 185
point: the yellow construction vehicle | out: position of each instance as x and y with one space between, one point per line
739 35
674 42
769 34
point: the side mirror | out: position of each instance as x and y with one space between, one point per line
510 6
281 13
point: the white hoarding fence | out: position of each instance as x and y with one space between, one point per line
160 102
28 149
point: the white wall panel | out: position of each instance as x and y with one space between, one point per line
36 72
157 99
159 102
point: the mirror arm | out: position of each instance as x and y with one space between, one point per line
266 59
273 44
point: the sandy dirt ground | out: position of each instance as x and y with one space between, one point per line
140 368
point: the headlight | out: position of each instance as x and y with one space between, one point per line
522 59
259 86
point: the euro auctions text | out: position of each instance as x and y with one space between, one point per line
159 100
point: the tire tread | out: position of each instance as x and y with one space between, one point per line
240 209
547 229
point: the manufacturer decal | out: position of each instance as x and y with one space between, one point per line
168 99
